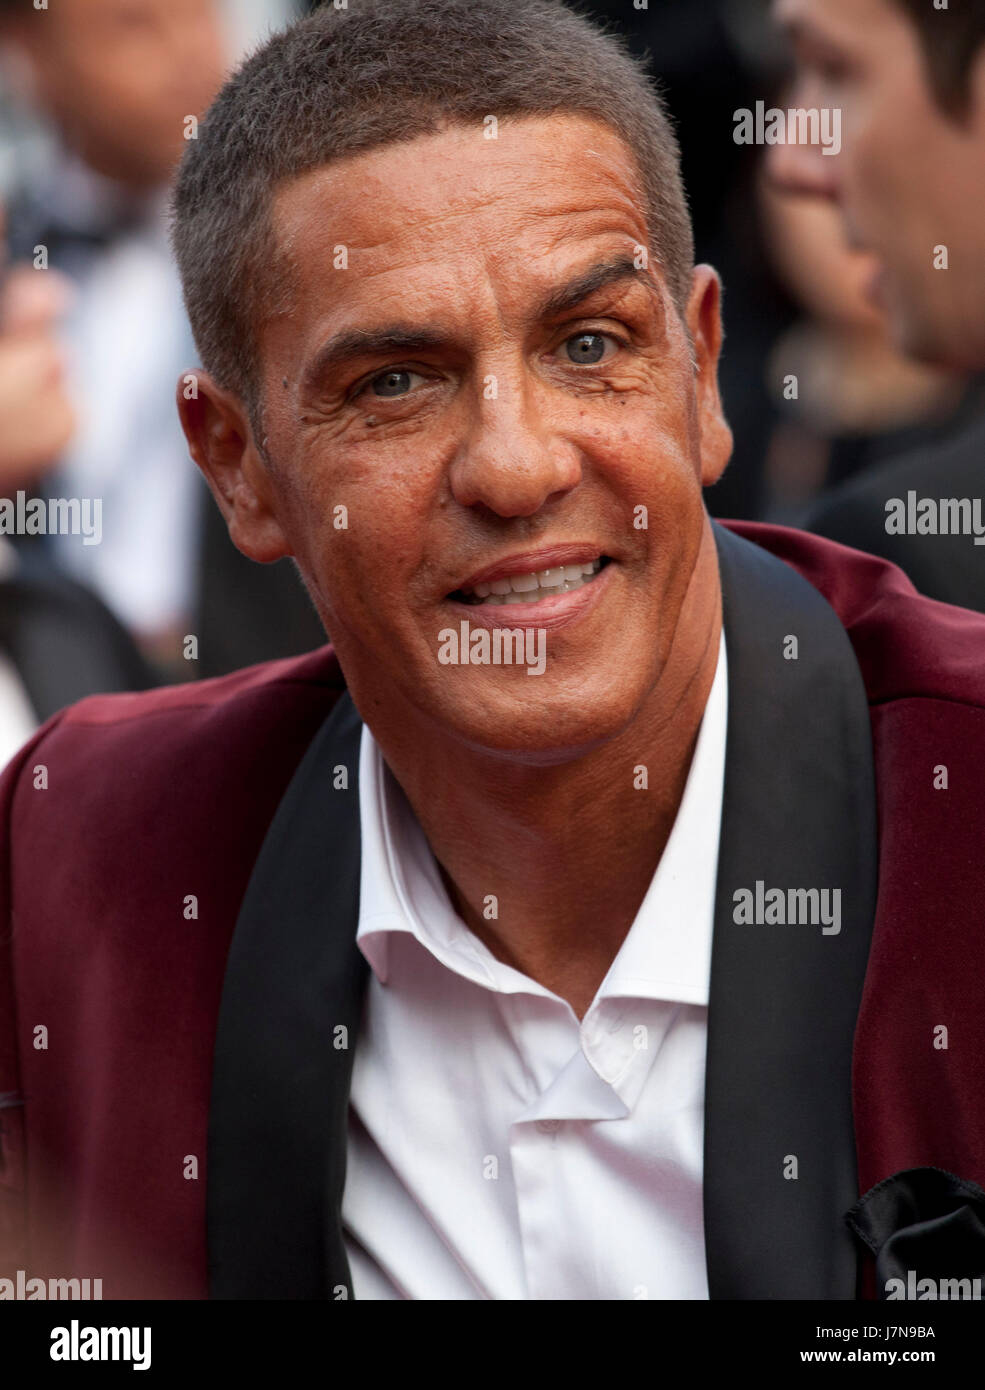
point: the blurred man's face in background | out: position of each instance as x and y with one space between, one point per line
119 77
909 177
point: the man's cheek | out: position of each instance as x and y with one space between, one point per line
372 582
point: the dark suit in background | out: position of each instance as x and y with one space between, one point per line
948 568
245 612
63 641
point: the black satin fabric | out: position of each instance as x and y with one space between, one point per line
922 1223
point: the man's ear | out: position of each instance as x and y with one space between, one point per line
220 440
704 320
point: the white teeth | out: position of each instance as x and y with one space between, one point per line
531 588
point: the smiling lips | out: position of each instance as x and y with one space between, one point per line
532 586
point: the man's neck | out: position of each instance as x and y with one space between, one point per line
548 866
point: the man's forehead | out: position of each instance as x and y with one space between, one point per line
440 191
833 19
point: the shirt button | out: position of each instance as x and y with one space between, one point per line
548 1126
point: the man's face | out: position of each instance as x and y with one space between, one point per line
908 179
120 77
448 374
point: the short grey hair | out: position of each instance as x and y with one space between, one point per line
374 73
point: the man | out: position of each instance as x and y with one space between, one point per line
469 957
119 85
909 80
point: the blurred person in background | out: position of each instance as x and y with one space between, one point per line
846 396
909 80
58 642
119 85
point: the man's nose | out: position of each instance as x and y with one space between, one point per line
512 461
802 168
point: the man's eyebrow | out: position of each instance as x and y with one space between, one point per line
796 27
590 281
392 339
399 339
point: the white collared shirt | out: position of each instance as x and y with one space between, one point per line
497 1147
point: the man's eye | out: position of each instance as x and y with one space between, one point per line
822 66
396 382
586 348
833 73
815 74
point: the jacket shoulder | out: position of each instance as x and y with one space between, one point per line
109 751
270 685
907 646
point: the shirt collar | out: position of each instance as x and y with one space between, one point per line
667 952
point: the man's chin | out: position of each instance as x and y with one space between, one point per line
930 339
538 726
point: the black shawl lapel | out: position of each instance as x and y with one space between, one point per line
798 812
282 1067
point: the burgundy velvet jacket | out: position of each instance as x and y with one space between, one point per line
163 1131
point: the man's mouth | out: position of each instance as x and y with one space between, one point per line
531 586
